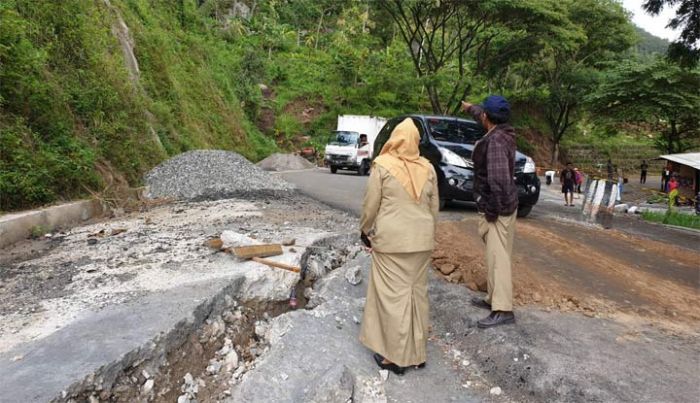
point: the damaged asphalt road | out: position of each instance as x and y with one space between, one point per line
152 314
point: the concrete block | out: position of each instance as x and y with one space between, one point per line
17 226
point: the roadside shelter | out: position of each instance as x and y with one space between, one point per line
687 167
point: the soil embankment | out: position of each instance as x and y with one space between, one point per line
574 268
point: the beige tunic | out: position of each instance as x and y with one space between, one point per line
395 221
395 319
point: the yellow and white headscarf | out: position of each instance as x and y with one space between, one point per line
401 157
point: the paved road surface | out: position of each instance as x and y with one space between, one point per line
345 191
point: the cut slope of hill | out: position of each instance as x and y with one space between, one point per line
93 91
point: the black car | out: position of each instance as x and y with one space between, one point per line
447 142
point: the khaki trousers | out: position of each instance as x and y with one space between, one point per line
498 237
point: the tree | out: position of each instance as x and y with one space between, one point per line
569 69
452 41
686 50
661 94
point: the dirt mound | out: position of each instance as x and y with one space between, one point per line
567 268
211 175
284 162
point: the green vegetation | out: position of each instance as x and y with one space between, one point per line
95 93
673 218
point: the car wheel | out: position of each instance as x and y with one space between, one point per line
334 169
443 203
364 168
523 211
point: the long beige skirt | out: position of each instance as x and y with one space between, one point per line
395 320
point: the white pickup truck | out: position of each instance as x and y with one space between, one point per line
351 145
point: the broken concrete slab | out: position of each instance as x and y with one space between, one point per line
124 296
307 345
107 342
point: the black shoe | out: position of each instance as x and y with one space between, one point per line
480 303
496 318
391 367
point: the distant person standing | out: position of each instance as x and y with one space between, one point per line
665 176
497 201
620 182
568 182
579 180
673 192
643 176
610 169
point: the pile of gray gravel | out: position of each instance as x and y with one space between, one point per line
211 175
285 162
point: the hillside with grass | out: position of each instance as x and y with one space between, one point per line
94 93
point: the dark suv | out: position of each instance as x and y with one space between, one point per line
447 142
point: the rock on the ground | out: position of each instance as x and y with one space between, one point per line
148 386
284 162
496 391
231 361
210 175
447 268
354 275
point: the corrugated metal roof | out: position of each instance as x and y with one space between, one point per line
690 159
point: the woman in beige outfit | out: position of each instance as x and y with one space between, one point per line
399 215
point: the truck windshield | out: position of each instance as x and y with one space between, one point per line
455 131
343 138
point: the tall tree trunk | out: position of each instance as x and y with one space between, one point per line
555 153
434 100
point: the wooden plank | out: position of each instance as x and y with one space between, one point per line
247 252
278 265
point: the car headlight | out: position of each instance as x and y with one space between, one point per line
529 167
451 158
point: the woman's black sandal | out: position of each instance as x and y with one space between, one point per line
391 367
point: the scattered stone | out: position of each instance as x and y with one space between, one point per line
213 367
148 386
354 275
289 242
465 363
284 376
92 241
384 374
17 358
356 320
536 297
447 268
231 361
496 391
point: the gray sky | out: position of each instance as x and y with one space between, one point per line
655 25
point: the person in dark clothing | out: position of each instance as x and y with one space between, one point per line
568 183
497 201
643 176
665 177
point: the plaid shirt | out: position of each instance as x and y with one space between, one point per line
494 165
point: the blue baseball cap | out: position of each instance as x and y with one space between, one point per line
497 107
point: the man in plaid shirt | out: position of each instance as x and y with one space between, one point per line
497 200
